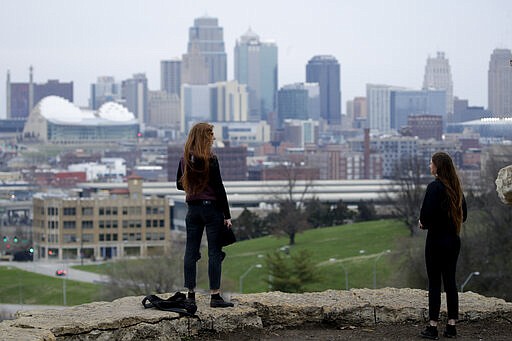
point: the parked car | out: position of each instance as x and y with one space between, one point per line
60 272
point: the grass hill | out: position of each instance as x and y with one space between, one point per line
354 248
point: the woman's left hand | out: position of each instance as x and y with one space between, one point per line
228 223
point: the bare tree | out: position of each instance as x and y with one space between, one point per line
291 217
410 179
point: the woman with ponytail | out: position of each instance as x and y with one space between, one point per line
442 213
199 176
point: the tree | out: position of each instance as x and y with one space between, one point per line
366 211
410 178
291 217
248 225
293 273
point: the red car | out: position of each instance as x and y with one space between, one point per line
60 272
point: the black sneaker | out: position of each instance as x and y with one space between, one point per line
430 332
220 303
450 331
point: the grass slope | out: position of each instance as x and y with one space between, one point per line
344 243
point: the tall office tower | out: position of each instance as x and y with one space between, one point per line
170 76
256 66
325 70
378 102
104 90
135 95
439 77
22 97
206 60
500 83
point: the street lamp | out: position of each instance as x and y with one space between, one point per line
375 267
246 273
476 273
344 269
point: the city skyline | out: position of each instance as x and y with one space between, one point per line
374 42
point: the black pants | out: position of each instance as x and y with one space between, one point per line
198 218
441 254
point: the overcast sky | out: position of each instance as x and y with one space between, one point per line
385 42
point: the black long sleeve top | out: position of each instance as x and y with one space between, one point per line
434 214
214 190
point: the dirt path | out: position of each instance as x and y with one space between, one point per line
482 330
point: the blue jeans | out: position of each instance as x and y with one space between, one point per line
199 217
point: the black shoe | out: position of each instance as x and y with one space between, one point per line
450 331
220 303
191 297
430 332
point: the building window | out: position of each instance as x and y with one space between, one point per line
69 224
69 211
87 224
86 211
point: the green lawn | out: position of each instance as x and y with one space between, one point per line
23 287
340 242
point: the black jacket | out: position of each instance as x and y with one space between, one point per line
214 190
434 214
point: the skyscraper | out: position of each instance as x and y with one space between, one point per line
104 90
256 66
170 76
135 94
325 70
500 83
206 60
439 77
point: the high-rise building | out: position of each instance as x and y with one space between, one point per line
135 95
500 83
104 90
170 76
228 101
206 60
292 102
256 66
438 76
378 101
22 97
325 70
163 109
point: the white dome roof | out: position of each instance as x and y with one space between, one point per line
59 110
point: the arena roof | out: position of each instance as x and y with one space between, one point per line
60 111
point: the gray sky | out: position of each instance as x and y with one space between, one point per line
376 41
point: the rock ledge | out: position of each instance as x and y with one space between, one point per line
127 319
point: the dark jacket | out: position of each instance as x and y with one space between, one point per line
214 191
434 214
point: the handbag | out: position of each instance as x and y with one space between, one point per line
227 236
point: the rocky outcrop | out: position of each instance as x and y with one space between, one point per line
127 319
504 185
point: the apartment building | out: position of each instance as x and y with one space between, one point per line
115 223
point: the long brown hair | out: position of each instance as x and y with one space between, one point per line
196 156
447 174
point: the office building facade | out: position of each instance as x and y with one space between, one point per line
325 70
256 66
438 76
104 90
500 83
206 60
170 76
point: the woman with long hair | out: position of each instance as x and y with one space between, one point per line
199 176
442 213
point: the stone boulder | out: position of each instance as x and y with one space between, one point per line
504 185
127 319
